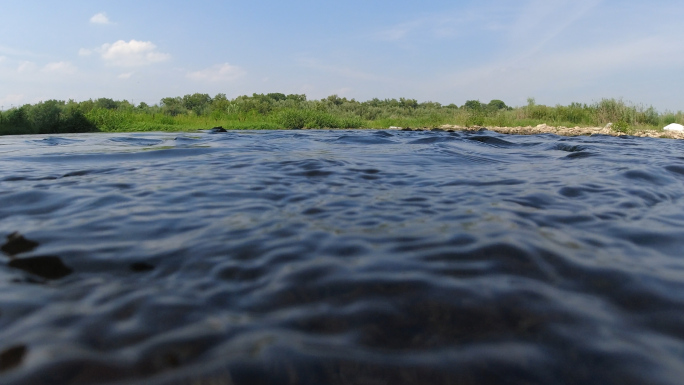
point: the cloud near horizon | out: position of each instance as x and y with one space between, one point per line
26 66
131 54
218 73
100 18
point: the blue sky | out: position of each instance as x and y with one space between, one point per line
557 51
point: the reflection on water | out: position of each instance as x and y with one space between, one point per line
341 257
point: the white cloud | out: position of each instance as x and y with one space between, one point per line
26 67
84 52
132 54
62 67
2 58
126 75
218 73
100 18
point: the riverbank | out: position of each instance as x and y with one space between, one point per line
279 111
546 129
560 130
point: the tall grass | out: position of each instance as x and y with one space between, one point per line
273 111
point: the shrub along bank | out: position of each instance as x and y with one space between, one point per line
277 110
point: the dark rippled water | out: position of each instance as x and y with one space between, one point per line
335 257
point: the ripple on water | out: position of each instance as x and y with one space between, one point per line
341 257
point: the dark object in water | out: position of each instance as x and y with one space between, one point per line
218 129
12 357
17 244
141 266
47 266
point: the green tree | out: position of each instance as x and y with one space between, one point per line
408 103
172 106
45 116
297 97
196 102
496 105
277 96
15 121
473 105
106 103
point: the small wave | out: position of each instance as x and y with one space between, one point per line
357 139
491 141
56 141
137 141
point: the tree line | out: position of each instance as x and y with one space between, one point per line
278 110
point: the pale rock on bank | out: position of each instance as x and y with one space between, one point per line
674 127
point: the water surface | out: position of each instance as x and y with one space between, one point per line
342 257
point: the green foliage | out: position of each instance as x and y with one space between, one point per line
48 117
106 103
196 103
351 122
473 105
278 110
45 116
411 103
319 119
669 119
292 118
111 120
496 105
620 126
475 119
15 121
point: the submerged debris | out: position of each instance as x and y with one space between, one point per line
17 244
46 266
12 357
141 266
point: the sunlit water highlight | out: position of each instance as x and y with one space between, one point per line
343 257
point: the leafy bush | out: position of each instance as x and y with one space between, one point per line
107 120
318 119
351 122
292 119
15 121
474 120
620 126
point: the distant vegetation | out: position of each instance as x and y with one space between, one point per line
276 110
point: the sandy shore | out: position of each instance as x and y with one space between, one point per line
566 131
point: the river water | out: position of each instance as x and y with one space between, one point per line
341 257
